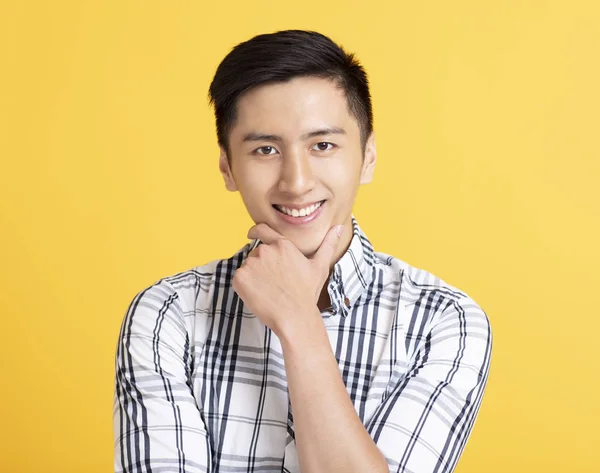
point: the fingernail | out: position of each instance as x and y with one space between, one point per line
340 229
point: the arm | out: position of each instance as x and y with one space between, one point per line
321 405
424 423
157 424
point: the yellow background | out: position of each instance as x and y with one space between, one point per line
487 119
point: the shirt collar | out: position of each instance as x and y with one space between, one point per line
352 273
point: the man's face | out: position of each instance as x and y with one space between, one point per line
295 146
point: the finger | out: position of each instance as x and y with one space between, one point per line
326 251
264 233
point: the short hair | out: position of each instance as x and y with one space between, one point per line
282 56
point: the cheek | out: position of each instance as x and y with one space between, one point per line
254 186
343 179
249 179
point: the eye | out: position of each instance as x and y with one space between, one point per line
323 146
265 150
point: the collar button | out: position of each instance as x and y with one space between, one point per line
347 302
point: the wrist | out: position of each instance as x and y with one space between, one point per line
300 326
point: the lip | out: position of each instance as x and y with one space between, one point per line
300 220
300 206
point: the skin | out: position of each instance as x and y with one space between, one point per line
293 170
283 280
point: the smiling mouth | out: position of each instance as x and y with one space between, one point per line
304 212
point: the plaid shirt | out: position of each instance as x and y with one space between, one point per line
201 383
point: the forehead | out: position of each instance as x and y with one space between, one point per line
293 107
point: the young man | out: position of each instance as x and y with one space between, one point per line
306 351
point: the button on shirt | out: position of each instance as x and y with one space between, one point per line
201 382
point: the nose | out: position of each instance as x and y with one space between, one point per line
296 174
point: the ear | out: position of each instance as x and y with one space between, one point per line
225 169
368 167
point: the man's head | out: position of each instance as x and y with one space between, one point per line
295 128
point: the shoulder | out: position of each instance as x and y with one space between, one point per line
183 296
417 280
426 296
442 325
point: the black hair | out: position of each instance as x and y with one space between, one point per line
279 57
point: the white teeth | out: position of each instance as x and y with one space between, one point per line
299 213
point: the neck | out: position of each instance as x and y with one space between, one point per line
324 301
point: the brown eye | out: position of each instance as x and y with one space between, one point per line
323 146
265 150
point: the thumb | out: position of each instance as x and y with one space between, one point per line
324 255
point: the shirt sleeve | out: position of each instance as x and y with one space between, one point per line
157 423
423 424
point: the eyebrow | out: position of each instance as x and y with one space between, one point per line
334 130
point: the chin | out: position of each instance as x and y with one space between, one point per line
307 248
307 240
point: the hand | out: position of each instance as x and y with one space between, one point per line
277 282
